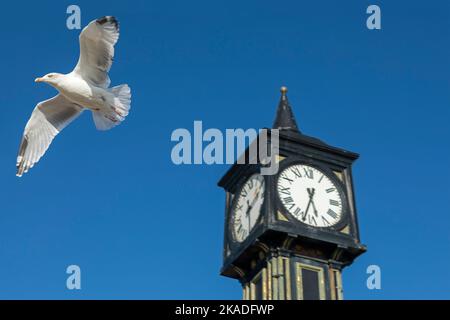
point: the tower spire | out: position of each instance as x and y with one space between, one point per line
285 117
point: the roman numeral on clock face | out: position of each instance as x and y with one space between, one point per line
298 212
296 171
325 221
288 200
332 214
309 173
312 221
285 177
285 190
334 202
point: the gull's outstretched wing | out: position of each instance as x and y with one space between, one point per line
49 117
97 42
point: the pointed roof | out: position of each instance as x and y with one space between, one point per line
285 117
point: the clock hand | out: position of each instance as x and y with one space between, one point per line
247 213
255 198
306 211
250 207
311 192
315 210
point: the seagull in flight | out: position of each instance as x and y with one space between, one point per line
86 87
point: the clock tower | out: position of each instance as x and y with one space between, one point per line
289 235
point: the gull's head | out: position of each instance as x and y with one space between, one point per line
50 78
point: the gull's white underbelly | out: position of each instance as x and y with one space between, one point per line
82 93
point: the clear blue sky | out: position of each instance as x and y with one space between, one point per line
141 227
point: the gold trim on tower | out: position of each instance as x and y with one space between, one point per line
338 277
269 280
274 276
281 284
281 216
288 279
245 292
339 175
299 267
260 277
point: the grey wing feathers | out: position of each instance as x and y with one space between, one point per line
47 120
97 42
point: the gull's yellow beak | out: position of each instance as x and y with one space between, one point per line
38 80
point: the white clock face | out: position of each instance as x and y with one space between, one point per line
310 195
247 207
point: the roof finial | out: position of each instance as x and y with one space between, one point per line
285 117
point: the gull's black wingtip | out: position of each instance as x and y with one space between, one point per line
108 19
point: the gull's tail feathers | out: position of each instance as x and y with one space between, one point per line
107 119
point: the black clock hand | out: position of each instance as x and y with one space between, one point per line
307 208
255 198
249 207
311 192
311 195
306 211
247 213
314 207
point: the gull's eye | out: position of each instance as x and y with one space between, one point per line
50 75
